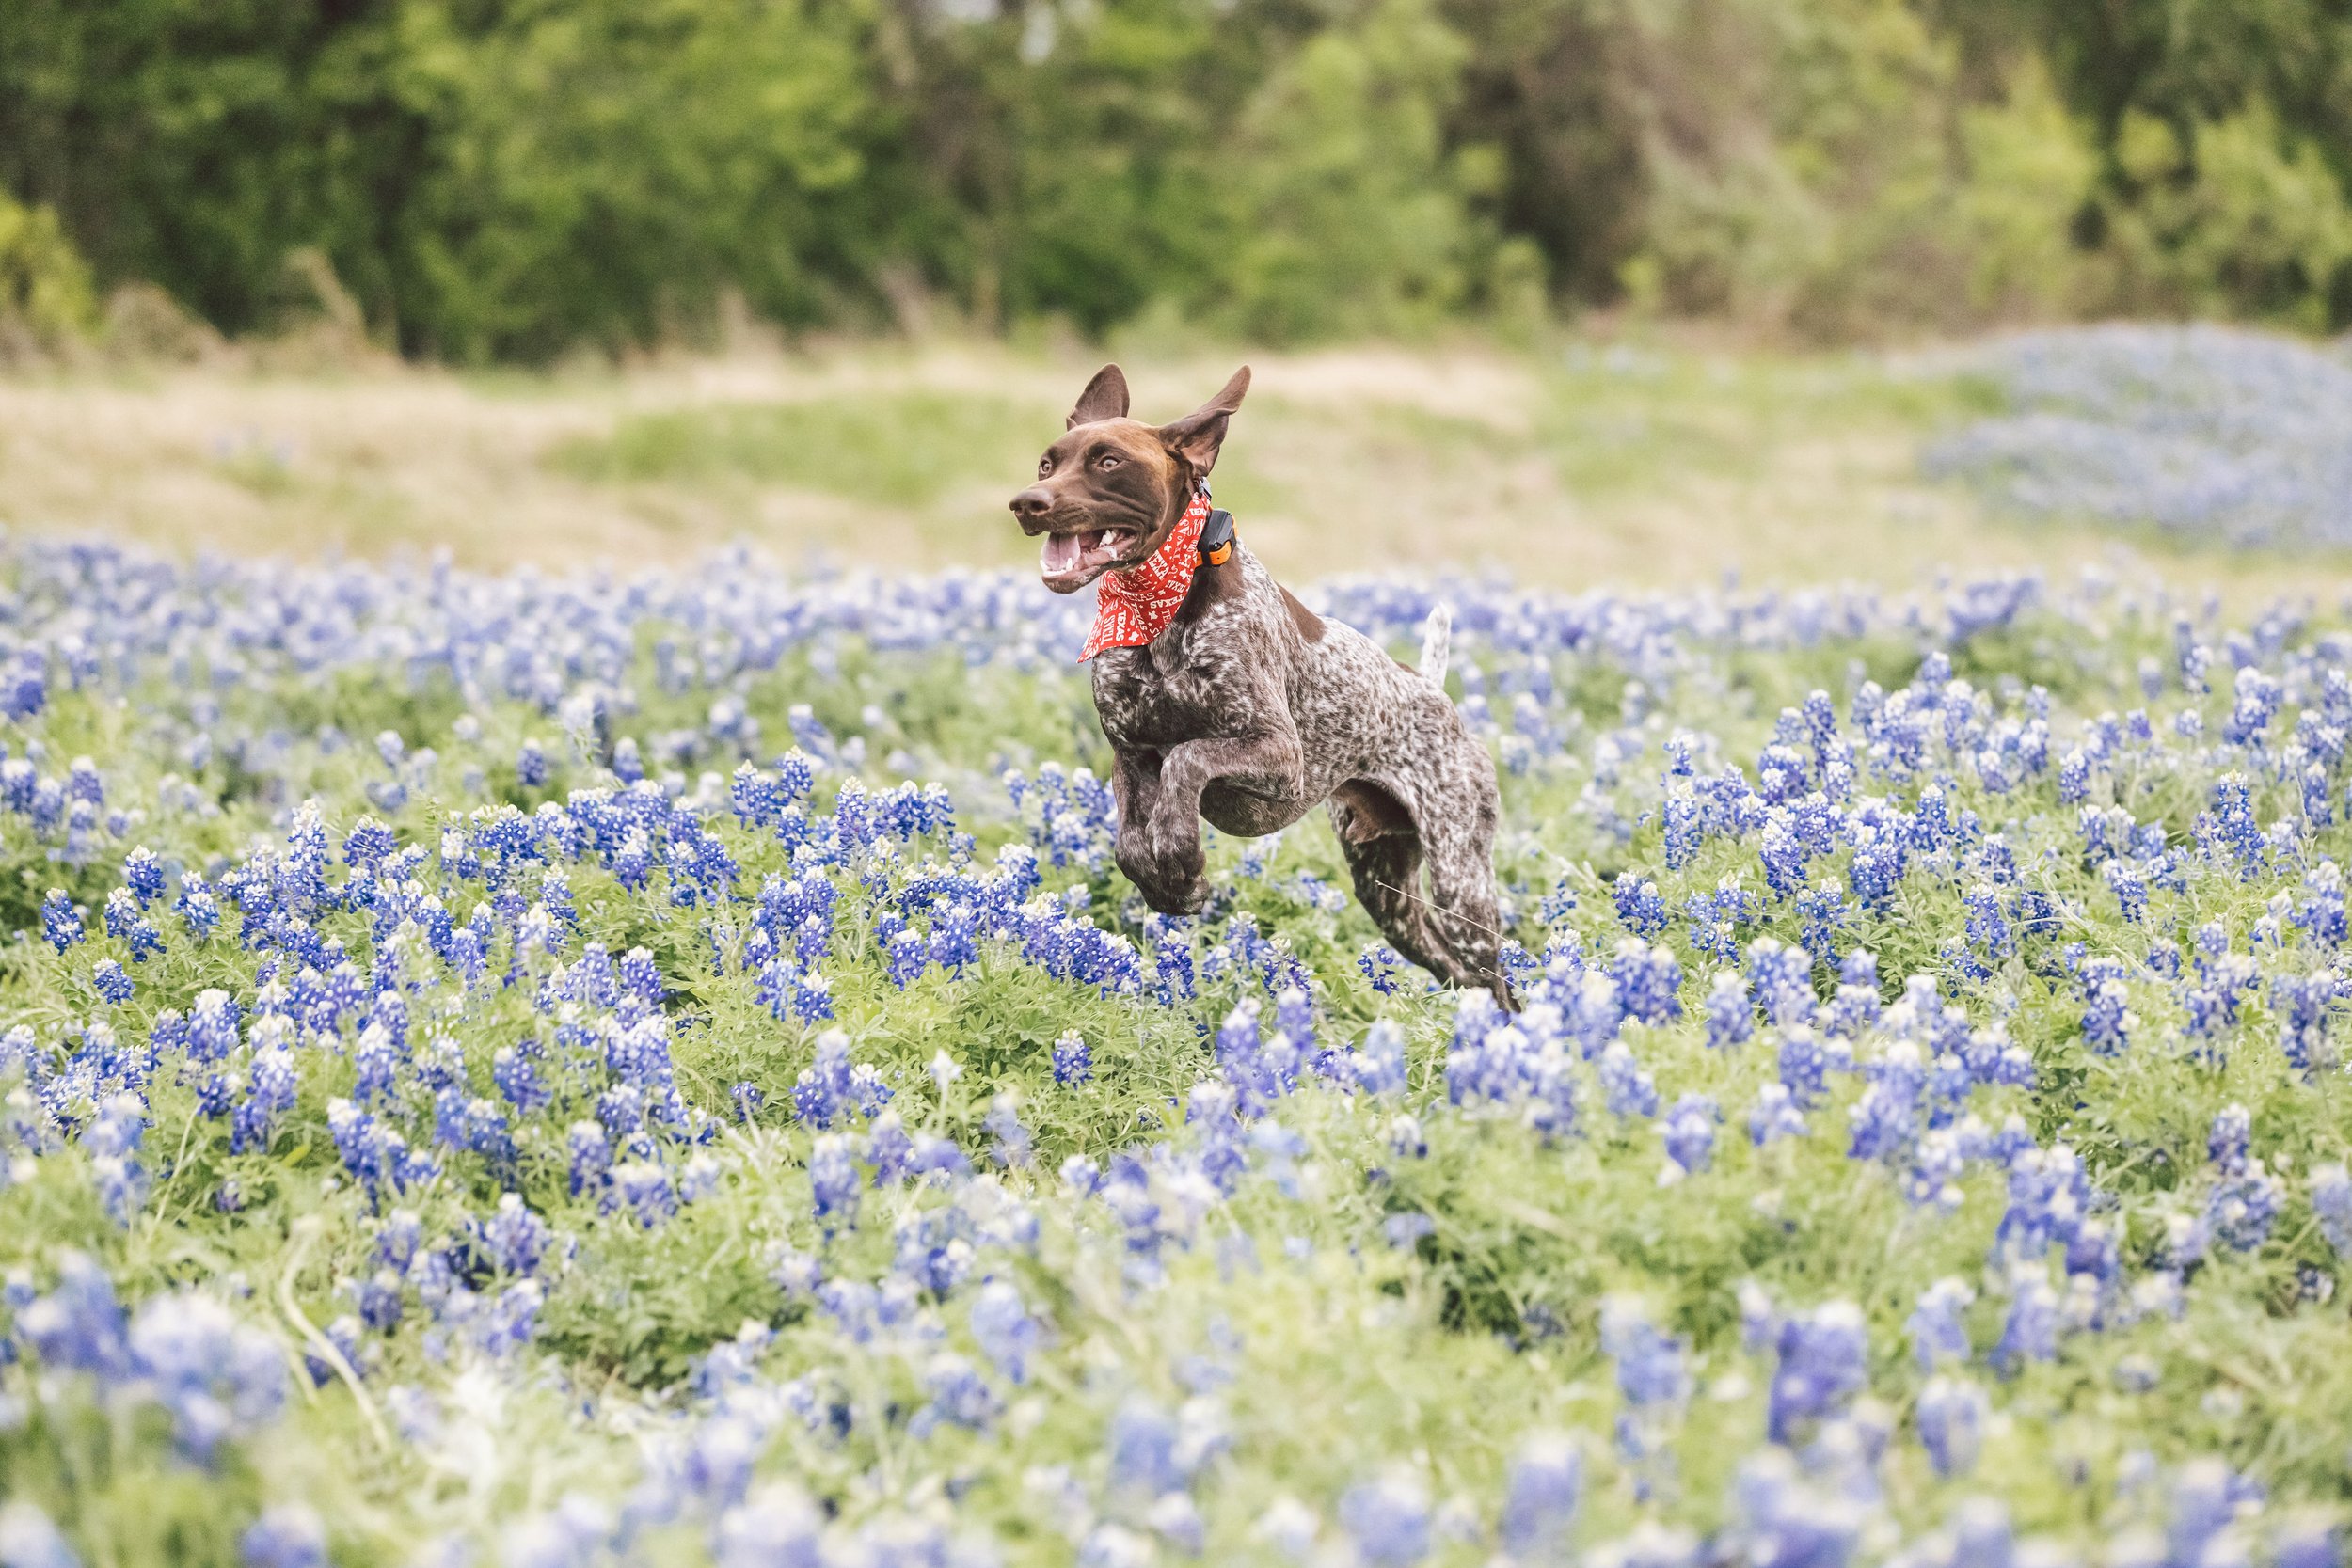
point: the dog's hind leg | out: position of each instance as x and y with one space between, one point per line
1384 857
1463 915
1387 873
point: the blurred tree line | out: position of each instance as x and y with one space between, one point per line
506 179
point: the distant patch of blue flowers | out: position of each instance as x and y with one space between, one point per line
2208 432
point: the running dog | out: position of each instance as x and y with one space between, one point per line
1223 697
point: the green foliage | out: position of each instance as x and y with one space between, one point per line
1324 1350
507 179
44 283
1345 211
602 170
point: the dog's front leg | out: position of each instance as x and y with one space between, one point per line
1135 785
1268 764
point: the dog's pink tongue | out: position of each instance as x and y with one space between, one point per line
1061 552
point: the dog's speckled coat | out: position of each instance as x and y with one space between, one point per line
1250 710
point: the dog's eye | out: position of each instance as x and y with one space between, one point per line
1044 466
1108 459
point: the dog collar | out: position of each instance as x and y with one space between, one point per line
1133 608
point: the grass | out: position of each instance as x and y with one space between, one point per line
895 449
1651 465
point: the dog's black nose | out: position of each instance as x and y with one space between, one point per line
1032 503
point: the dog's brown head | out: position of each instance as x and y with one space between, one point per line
1108 492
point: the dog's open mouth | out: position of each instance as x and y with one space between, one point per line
1070 561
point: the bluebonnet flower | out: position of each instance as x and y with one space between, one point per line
2243 1206
2049 1196
2303 1007
2228 828
111 982
1405 1231
1783 978
2331 1203
590 1155
1730 1015
125 921
1543 1488
1776 1115
197 906
1951 1416
2107 1018
2030 1331
1856 1008
958 1394
1141 1445
270 1090
1011 1147
1824 912
1878 866
888 1148
1596 1013
825 1091
1211 1108
1647 979
2231 1139
1650 1367
59 920
1002 1325
28 1538
1886 1118
1627 1085
516 1239
1803 1065
1822 1363
1389 1519
1987 927
909 956
1639 905
833 1179
1689 1132
1937 1334
381 1306
1073 1062
1783 1524
640 978
1377 1066
643 1189
286 1536
1683 821
111 1139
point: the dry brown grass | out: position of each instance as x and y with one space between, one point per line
1647 470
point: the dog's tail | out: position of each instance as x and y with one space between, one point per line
1437 642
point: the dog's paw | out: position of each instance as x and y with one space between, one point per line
1178 856
1174 895
1133 856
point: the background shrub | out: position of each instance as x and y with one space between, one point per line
505 179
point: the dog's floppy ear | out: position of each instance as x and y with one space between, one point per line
1197 437
1105 398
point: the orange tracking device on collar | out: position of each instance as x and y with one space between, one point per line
1216 538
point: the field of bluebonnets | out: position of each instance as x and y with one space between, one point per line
559 1069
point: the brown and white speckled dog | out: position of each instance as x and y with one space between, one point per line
1248 708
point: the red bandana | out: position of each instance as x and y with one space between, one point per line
1133 608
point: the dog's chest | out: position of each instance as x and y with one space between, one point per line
1156 703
